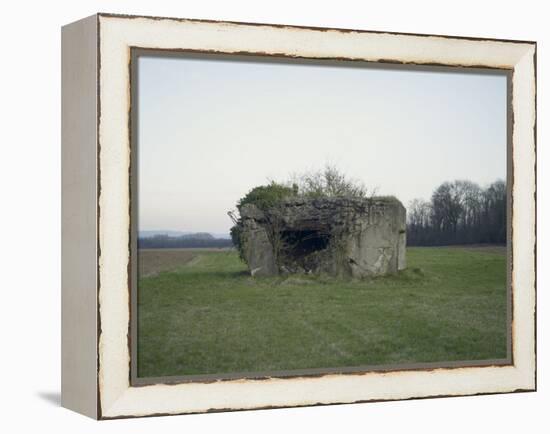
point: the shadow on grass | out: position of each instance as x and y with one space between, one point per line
409 275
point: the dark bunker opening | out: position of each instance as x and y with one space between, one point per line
299 244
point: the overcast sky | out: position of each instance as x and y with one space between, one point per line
210 130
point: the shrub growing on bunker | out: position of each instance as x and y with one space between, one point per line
329 182
262 197
265 196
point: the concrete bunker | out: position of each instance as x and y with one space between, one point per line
339 236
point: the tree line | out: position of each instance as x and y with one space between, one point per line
459 212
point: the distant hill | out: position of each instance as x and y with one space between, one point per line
225 236
198 236
181 240
171 233
154 233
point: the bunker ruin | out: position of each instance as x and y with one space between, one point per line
338 236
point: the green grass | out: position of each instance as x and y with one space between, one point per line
209 317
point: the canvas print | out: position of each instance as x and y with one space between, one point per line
297 216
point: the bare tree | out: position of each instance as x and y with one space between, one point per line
447 207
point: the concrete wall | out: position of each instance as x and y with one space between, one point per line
379 248
367 236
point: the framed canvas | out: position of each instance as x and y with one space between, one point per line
262 216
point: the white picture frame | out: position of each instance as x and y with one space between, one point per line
96 212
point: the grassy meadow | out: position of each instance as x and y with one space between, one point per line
199 312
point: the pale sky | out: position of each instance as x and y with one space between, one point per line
210 130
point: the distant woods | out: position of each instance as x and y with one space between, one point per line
459 212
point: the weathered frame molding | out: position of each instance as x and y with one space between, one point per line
113 395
